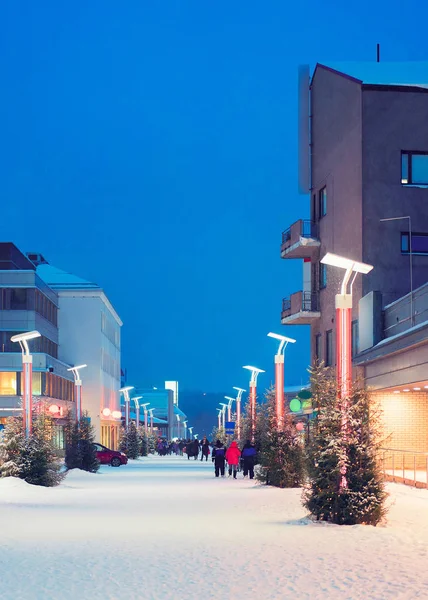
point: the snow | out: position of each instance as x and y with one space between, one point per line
164 528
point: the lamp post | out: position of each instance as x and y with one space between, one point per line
178 426
185 429
279 375
223 414
151 419
344 332
191 432
136 400
253 396
238 409
229 407
78 390
146 416
27 378
219 410
412 316
125 391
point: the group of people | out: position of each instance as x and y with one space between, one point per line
234 457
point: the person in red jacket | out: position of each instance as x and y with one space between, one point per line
232 456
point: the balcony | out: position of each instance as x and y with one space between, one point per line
300 240
301 308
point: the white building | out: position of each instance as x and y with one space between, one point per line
89 333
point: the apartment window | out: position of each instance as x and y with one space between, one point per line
329 348
314 207
414 168
419 243
322 197
7 384
323 276
318 349
354 338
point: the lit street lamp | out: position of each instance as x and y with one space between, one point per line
344 331
229 407
137 409
151 419
185 429
238 409
279 375
223 414
125 391
78 389
146 416
253 396
27 378
219 410
191 431
178 426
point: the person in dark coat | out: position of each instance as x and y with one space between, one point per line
205 447
219 457
249 458
195 446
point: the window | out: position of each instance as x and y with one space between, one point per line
318 350
314 207
7 384
354 338
329 348
322 201
414 168
419 243
323 276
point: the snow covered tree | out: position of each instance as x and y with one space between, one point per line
218 434
11 448
144 441
80 452
152 440
336 451
130 441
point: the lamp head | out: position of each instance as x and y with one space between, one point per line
335 260
24 337
254 369
239 389
282 338
77 368
127 388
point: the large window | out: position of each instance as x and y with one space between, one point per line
28 299
329 348
354 338
323 276
419 243
322 197
318 347
7 384
414 168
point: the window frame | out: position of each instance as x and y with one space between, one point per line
408 155
354 338
322 282
322 205
406 235
329 348
318 347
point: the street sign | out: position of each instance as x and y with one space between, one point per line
230 427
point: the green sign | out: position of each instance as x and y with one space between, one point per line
295 405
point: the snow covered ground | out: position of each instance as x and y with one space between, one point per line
165 528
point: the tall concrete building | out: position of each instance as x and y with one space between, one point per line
89 333
364 137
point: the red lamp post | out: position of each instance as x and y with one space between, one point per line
253 396
279 375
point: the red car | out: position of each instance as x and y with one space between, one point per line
110 457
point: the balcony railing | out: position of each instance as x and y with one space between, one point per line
299 239
405 466
300 307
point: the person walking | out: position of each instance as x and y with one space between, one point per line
219 457
205 447
249 458
232 456
195 445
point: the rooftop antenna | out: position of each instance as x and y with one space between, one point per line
377 52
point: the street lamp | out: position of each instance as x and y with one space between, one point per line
185 429
229 407
146 416
238 409
137 409
191 432
253 396
279 375
125 391
412 317
151 419
178 426
219 410
223 414
27 377
344 331
78 389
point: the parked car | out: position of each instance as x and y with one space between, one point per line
110 457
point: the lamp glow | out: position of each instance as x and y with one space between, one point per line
106 412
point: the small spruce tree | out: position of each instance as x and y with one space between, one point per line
144 441
336 451
12 448
80 451
132 442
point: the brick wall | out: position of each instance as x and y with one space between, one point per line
405 419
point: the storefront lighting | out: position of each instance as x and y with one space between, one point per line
106 412
116 414
406 390
416 389
396 391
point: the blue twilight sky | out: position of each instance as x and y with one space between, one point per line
151 146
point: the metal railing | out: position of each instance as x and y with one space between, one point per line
301 228
405 466
300 302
